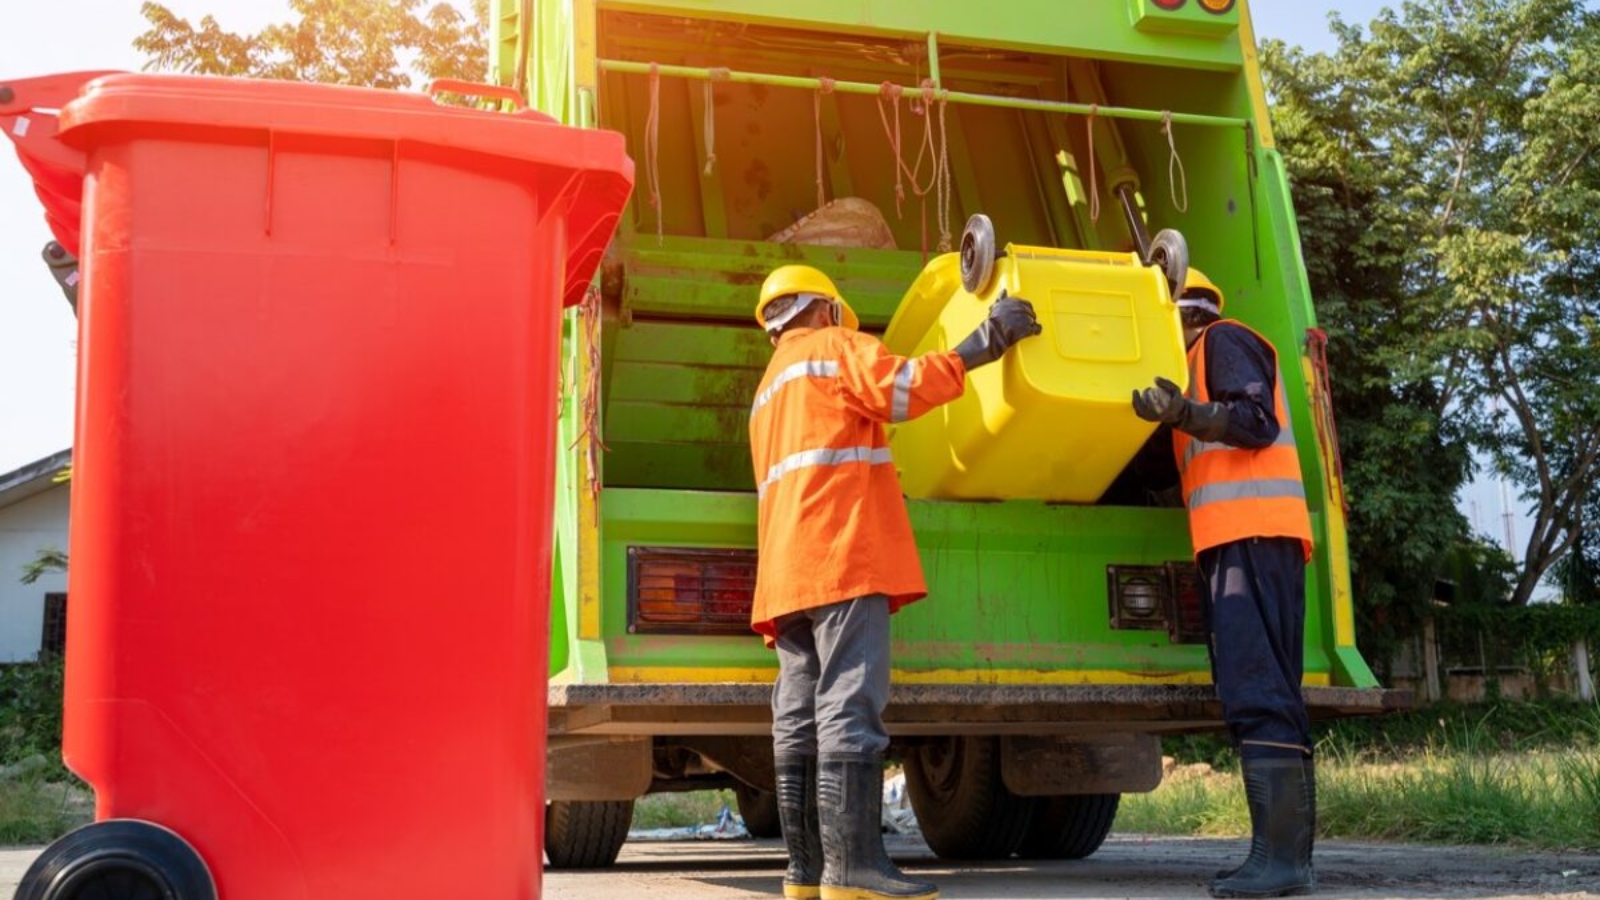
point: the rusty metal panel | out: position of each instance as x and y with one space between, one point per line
1104 764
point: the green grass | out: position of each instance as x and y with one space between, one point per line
681 810
1544 799
35 811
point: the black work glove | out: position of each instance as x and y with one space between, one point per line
1166 404
1010 320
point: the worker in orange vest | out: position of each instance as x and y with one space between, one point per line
836 559
1252 538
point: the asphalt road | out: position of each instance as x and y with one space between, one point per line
1126 867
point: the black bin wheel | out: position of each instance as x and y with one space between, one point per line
122 858
977 254
1170 253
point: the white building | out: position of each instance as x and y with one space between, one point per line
33 517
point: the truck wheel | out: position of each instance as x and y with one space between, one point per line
962 807
759 810
121 858
580 834
1070 827
1170 253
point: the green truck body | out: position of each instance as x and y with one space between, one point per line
1020 679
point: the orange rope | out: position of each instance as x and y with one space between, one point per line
652 147
825 86
710 129
1328 432
1094 183
1175 163
589 313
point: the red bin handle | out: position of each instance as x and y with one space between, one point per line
473 89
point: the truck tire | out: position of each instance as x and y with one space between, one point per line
962 807
582 834
759 810
1071 827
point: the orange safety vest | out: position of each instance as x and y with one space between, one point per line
1233 493
833 523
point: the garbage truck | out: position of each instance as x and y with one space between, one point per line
1095 149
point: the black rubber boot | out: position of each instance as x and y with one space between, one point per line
797 813
855 865
1282 798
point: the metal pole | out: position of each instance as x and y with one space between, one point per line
858 87
933 59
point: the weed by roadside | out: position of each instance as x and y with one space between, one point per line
35 811
681 810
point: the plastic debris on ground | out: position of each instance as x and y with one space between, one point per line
728 827
898 817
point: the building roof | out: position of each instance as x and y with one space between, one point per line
34 478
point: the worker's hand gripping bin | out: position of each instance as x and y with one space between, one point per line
312 486
1052 421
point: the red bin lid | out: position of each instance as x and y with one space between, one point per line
111 105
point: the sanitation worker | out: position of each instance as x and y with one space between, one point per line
1252 538
836 559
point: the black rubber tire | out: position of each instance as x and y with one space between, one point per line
582 834
979 251
1070 827
1169 251
759 810
123 858
962 807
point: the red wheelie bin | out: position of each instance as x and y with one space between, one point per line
313 480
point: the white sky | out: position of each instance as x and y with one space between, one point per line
36 327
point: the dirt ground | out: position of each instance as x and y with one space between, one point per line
1126 867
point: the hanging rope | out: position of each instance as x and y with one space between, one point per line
891 92
944 176
589 314
652 147
1328 429
1175 165
1094 183
825 86
710 130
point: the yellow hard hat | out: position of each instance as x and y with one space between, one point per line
1200 292
797 283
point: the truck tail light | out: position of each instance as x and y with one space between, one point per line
1188 616
1140 597
1218 7
1170 5
1158 598
690 591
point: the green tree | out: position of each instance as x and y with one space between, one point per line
1404 526
372 43
1455 143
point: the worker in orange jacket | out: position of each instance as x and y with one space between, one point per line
1252 538
836 559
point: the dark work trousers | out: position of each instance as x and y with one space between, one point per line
1256 614
833 680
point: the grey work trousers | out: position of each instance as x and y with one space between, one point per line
833 680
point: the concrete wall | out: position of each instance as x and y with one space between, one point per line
26 527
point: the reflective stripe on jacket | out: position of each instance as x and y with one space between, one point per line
1235 493
833 523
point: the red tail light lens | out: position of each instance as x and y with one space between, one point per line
690 591
1188 615
1169 5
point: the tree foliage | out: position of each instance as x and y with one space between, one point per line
372 43
1447 172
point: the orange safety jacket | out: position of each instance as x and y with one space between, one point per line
833 524
1233 493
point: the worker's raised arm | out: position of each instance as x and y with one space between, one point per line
885 387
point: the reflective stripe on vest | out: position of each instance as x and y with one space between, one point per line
1257 489
901 409
811 368
807 459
